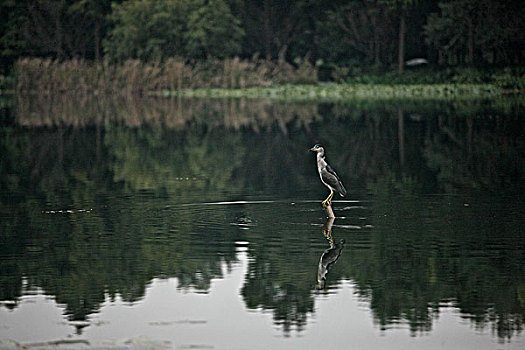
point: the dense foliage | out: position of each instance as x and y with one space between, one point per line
348 34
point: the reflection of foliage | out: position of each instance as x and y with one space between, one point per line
215 157
151 159
278 166
282 269
130 177
78 243
142 158
406 277
483 154
400 286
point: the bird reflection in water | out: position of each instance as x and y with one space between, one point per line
330 255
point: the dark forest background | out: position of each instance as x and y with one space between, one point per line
340 37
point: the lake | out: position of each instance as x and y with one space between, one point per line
172 223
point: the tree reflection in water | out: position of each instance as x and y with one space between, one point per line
94 201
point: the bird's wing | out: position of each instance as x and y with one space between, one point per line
332 171
330 177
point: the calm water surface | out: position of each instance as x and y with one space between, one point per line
167 224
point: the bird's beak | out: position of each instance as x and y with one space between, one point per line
312 149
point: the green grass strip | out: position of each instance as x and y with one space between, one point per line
342 92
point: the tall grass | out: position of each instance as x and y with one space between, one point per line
46 76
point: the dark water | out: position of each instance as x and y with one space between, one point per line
197 224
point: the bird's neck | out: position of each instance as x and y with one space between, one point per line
321 162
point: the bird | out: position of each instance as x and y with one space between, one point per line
328 259
328 176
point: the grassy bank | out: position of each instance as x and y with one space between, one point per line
348 91
509 79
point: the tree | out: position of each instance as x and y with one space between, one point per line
56 28
157 29
10 41
452 31
357 30
474 31
400 7
148 29
213 31
96 11
38 28
281 29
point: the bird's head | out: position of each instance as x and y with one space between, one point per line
317 148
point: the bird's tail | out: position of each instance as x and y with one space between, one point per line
341 189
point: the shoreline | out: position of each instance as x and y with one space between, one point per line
335 92
349 91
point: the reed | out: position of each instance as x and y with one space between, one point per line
47 76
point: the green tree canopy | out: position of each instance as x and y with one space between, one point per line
157 29
345 37
148 29
213 30
58 28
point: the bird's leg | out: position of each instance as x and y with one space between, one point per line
328 201
325 202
